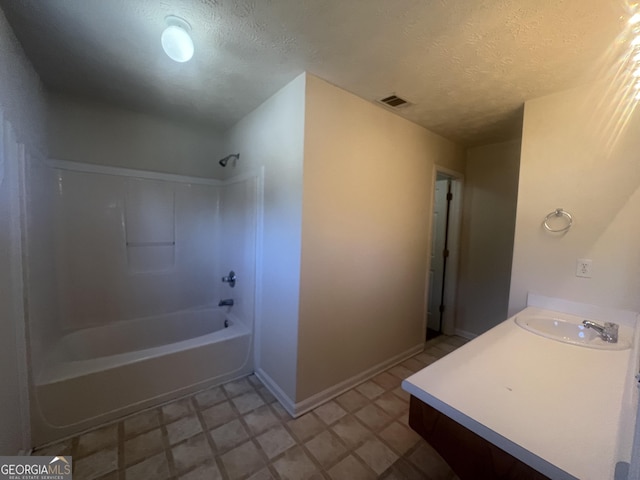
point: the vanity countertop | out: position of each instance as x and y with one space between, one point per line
557 407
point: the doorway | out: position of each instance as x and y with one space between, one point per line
443 265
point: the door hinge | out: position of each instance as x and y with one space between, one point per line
441 308
445 253
449 196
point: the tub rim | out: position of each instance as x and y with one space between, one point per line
57 369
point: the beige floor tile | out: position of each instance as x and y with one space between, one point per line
184 428
177 409
229 435
387 381
142 422
266 395
96 465
247 402
95 440
391 404
194 451
254 380
62 448
456 341
306 426
326 448
426 358
238 387
280 411
142 446
351 431
218 414
445 347
350 469
242 460
155 467
373 416
413 364
210 397
295 465
400 371
399 437
115 475
352 400
263 474
330 412
403 394
427 460
376 455
275 441
260 419
207 471
403 470
370 390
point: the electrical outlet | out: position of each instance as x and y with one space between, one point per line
583 268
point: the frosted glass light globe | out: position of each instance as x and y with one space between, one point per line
177 43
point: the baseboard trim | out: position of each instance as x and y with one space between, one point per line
276 391
300 408
319 398
465 334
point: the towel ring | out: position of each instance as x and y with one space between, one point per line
558 212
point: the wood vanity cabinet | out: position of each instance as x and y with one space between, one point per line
470 456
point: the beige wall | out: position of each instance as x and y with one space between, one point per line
486 239
271 137
366 210
98 133
576 156
22 105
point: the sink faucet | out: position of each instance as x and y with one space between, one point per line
227 302
608 332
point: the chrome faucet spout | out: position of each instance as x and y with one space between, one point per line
608 332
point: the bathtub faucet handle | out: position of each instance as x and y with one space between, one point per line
230 279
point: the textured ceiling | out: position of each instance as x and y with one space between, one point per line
466 65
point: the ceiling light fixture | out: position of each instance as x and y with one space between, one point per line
176 42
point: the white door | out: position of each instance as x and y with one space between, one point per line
437 247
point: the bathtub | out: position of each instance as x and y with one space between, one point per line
98 374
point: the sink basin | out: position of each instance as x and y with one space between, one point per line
568 332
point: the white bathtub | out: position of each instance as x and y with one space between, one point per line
98 374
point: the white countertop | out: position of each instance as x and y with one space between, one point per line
554 406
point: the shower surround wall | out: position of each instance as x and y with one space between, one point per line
129 247
137 245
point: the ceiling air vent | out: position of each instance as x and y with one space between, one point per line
394 101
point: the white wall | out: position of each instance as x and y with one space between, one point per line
365 235
486 238
98 133
576 156
272 137
22 105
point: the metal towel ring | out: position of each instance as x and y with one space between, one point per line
558 212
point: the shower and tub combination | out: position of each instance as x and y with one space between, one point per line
155 278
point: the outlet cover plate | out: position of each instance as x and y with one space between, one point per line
583 268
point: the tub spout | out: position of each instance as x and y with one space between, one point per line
227 302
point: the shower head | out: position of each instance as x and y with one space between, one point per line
224 161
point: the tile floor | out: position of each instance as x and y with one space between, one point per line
239 431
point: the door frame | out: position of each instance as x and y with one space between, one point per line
455 222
